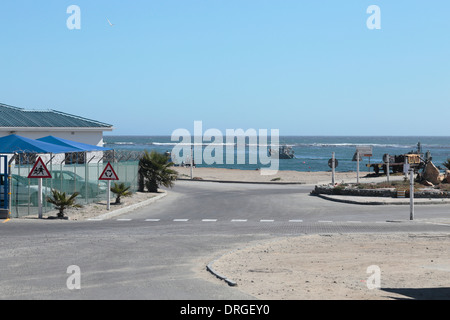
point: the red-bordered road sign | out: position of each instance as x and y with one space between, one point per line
39 170
108 173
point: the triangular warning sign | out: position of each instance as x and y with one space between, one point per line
39 170
108 173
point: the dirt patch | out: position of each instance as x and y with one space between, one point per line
343 266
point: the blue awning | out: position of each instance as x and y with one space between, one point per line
72 144
18 144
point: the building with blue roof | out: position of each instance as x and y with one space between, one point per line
35 124
38 124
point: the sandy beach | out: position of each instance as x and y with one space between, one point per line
322 177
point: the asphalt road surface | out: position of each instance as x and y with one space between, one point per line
160 251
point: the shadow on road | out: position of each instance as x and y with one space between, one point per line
421 293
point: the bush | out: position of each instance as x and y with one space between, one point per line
155 170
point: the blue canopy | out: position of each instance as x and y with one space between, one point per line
18 144
72 144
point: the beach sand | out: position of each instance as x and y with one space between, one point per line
335 267
322 177
93 210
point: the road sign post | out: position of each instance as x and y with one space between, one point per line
411 194
357 167
387 168
109 175
39 171
333 163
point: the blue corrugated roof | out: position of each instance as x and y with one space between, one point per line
72 144
17 144
18 117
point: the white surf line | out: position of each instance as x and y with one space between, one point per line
180 220
266 220
153 220
209 220
238 220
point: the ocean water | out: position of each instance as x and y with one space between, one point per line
311 152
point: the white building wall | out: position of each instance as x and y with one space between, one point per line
94 137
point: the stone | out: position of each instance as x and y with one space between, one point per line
447 176
431 173
427 183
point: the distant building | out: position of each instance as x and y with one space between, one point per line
35 124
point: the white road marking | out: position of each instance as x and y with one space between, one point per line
123 219
325 221
209 220
295 220
153 220
264 220
239 220
180 220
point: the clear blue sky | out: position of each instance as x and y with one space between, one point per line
303 67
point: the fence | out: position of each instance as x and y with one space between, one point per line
69 178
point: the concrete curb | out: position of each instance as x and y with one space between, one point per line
132 207
243 182
210 268
405 201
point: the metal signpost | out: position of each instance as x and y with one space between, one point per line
411 194
387 168
333 163
361 151
357 166
39 171
109 175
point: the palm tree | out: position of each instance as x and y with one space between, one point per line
120 190
154 171
62 201
447 164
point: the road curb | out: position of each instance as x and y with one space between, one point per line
243 182
210 268
417 201
132 207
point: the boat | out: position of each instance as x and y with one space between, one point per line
284 152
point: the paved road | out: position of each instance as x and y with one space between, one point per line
160 251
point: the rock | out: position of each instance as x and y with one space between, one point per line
431 173
427 183
447 176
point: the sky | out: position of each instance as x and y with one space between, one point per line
303 67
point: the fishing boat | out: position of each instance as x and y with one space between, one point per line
284 152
